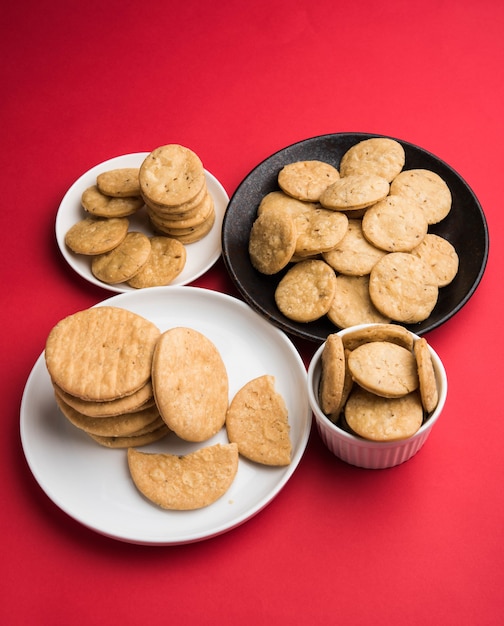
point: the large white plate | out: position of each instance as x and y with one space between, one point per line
92 483
201 255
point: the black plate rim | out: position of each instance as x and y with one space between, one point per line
306 331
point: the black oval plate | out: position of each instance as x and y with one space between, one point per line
465 227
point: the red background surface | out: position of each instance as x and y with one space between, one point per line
234 81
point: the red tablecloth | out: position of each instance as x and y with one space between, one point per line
84 82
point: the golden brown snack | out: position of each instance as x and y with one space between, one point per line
352 304
378 155
95 235
193 481
141 399
124 261
440 256
355 191
395 224
119 183
380 332
403 288
306 291
165 263
272 241
257 421
425 188
97 203
132 441
171 175
353 255
117 426
384 368
383 419
426 375
102 353
332 379
306 180
190 384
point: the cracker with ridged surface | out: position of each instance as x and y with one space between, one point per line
102 353
190 384
257 421
185 483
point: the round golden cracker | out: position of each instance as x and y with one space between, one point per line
394 224
190 384
353 255
272 241
132 441
352 304
354 192
321 231
124 261
117 426
306 291
141 399
379 332
96 235
425 188
440 256
166 261
185 483
119 183
101 353
332 377
383 419
403 288
384 368
427 378
257 421
306 180
382 156
95 202
171 175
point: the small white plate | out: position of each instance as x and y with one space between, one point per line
201 255
92 483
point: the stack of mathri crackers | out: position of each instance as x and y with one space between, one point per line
125 383
377 382
353 243
170 185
